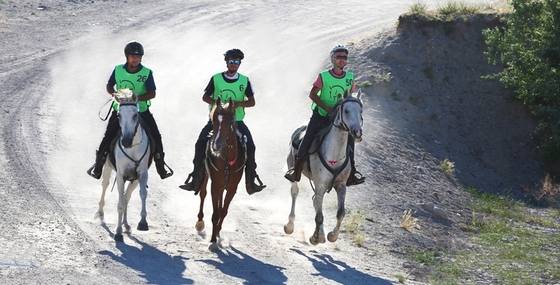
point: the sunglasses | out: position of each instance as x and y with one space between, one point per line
341 57
236 62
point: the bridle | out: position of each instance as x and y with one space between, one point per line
224 156
338 120
121 147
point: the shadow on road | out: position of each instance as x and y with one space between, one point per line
339 271
238 264
156 266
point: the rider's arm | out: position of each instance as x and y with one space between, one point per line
317 86
250 102
150 89
111 83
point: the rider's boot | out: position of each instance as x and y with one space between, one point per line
195 178
97 168
250 176
355 177
294 173
160 166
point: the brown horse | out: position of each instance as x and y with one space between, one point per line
225 160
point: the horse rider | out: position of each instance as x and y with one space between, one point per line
327 90
140 80
227 84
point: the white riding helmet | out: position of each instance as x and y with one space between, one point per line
337 48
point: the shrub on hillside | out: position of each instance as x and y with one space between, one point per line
528 46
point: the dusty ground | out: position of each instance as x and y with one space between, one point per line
56 57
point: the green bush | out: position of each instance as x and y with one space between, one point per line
528 46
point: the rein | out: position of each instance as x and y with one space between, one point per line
108 111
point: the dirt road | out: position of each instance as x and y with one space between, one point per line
55 59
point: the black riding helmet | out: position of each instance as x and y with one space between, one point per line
233 53
134 48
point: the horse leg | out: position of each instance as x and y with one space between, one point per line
224 209
289 227
200 223
143 180
318 235
104 184
129 189
340 213
120 208
217 193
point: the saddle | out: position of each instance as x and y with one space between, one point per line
317 140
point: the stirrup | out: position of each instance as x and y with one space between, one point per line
164 174
290 175
355 179
92 174
253 188
189 184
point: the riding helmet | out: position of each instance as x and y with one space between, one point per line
337 48
233 53
134 48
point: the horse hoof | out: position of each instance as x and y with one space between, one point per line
213 247
199 226
289 229
332 237
119 238
142 226
313 241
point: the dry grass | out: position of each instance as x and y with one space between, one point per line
447 167
548 192
353 224
408 222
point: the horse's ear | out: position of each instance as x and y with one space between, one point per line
219 102
134 97
345 94
358 94
230 103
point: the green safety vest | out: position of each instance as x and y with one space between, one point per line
133 81
333 90
234 90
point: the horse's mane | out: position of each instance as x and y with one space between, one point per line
124 95
224 106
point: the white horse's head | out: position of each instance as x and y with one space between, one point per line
128 115
349 115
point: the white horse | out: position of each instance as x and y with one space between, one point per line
132 160
329 166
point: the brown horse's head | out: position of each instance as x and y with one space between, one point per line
224 128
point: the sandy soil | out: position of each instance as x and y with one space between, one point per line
57 55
